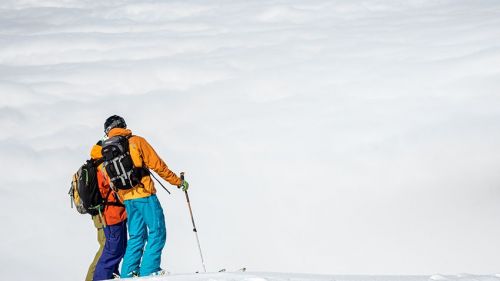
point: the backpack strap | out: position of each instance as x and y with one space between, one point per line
116 203
98 162
106 203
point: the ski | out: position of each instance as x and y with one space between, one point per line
243 269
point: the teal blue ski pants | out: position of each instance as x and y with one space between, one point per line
146 227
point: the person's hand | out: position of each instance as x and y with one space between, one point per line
184 185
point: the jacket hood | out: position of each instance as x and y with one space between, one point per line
96 152
119 132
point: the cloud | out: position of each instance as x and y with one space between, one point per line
306 129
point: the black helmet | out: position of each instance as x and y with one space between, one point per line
114 121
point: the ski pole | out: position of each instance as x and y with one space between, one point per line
194 226
160 183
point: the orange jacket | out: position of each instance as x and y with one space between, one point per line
112 214
143 155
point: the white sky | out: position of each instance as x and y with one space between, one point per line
339 137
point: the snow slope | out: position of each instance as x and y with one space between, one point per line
260 276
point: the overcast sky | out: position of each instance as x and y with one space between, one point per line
339 137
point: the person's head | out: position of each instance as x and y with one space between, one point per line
114 121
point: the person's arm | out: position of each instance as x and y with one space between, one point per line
155 163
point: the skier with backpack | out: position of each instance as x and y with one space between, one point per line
90 192
114 218
127 160
85 196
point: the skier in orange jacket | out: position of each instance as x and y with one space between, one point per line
146 221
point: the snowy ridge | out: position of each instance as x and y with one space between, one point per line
264 276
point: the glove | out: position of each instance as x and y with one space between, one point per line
184 185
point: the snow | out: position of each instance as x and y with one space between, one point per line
264 276
326 137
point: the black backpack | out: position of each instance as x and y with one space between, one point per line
84 191
118 163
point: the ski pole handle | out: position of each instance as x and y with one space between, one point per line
182 178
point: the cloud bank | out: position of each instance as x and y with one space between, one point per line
323 137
